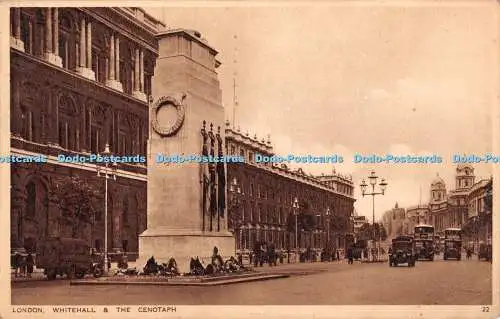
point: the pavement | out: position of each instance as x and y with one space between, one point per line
465 282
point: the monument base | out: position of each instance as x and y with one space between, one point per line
183 245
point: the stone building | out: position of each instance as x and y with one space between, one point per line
79 81
265 212
478 227
451 209
415 215
393 221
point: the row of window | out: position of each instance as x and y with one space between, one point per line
281 239
70 137
36 193
282 196
68 49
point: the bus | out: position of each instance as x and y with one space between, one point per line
424 241
452 243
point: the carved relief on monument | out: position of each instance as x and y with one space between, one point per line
168 115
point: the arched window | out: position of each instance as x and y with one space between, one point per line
69 132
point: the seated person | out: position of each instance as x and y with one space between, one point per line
172 267
151 266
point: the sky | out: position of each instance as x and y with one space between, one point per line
360 79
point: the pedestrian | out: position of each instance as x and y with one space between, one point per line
338 254
16 263
350 255
22 266
30 265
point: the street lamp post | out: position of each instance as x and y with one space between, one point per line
108 172
235 191
295 206
328 227
373 181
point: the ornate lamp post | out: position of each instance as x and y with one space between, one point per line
373 181
295 207
107 173
235 191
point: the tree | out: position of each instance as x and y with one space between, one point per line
372 232
75 202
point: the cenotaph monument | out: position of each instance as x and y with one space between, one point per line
185 201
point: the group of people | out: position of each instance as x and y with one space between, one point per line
264 253
23 265
217 265
153 268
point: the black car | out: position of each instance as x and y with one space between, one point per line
485 252
402 251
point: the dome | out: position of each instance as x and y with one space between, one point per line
462 166
438 182
465 169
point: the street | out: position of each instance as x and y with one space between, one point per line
466 282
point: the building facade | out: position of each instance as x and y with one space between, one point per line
393 221
468 206
265 211
450 209
478 228
79 81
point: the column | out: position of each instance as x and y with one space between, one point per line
113 64
15 38
117 58
48 30
136 71
82 44
89 45
55 35
139 75
112 58
141 70
85 63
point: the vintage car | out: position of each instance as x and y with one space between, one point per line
485 252
425 249
402 251
452 249
66 256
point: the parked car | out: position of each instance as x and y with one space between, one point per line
485 252
66 256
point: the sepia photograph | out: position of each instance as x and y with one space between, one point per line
289 154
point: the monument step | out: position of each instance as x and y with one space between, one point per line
214 281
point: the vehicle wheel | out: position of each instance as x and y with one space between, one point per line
395 264
51 274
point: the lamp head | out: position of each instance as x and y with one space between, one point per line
373 178
363 186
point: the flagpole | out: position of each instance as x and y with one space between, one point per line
203 179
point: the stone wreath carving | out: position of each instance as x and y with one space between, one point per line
166 101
